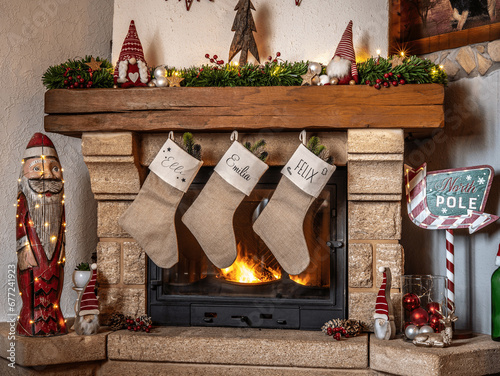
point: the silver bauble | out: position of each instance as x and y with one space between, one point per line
315 81
411 331
161 82
334 81
324 79
315 68
160 72
425 329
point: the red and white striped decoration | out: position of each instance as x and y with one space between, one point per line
420 214
450 267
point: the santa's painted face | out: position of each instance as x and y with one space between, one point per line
44 175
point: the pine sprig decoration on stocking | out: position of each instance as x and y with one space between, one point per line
74 74
258 149
314 145
190 146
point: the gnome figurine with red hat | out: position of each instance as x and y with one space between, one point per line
40 239
87 320
384 312
131 68
342 67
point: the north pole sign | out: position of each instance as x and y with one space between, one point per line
449 199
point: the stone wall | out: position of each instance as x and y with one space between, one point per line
117 165
469 61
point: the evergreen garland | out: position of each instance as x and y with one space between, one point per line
189 145
319 150
58 76
413 70
258 149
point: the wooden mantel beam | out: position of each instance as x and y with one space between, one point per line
212 109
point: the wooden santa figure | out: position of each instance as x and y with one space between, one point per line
40 240
343 64
87 319
131 68
384 312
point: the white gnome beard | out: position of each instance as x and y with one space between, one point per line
46 214
122 71
143 71
86 325
338 67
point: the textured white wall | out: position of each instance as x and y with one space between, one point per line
36 34
172 36
471 137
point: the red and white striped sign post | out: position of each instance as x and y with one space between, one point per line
448 200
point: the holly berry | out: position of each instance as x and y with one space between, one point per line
138 319
386 75
70 78
402 82
207 56
329 331
136 328
150 326
148 330
78 76
386 84
269 58
82 80
275 61
76 84
215 57
129 327
378 80
65 82
367 82
278 54
394 83
390 74
376 86
90 83
398 76
220 62
212 60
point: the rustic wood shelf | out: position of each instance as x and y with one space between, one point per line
210 109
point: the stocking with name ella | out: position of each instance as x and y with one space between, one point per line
281 223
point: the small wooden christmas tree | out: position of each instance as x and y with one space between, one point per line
244 26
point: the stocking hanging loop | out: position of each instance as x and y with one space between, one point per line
234 136
303 136
171 135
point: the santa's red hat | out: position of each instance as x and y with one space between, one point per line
40 145
381 306
345 50
131 48
88 303
497 260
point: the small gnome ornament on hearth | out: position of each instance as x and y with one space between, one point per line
342 68
384 312
131 68
87 320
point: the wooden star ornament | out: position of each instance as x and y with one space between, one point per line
307 78
397 60
174 81
94 65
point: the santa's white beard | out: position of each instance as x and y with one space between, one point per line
47 217
338 68
86 327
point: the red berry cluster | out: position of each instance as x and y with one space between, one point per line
71 82
388 80
138 325
275 59
337 333
214 59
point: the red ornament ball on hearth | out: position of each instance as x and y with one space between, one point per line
435 324
433 307
411 301
419 316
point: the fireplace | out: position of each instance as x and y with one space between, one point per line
254 291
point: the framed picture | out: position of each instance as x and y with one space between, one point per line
424 26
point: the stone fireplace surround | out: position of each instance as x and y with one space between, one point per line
120 140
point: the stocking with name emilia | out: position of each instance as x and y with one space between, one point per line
281 223
150 218
210 217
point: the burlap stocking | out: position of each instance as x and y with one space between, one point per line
210 218
281 223
150 218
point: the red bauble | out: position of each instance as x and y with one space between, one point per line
411 301
433 307
419 316
435 324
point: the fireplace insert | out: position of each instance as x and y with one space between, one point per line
254 291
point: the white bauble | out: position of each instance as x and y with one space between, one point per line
425 329
315 68
160 82
324 79
160 72
411 331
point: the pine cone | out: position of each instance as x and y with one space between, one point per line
352 327
117 321
146 320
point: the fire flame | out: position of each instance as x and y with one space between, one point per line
247 270
301 279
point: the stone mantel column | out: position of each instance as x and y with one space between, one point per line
116 176
375 181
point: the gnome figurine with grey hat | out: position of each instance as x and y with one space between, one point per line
384 312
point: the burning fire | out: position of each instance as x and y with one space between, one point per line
247 270
301 279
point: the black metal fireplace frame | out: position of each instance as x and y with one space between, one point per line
303 314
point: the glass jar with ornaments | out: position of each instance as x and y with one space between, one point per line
424 304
